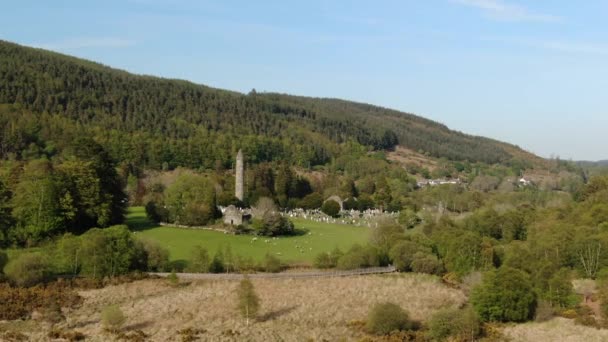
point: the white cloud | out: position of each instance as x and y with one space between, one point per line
87 42
501 10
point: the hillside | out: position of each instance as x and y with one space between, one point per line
154 122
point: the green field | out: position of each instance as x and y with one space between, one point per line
317 237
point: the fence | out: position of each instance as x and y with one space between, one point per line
283 275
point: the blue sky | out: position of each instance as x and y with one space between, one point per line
533 73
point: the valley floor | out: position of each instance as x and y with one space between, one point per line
320 309
291 309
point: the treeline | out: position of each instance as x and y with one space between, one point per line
176 123
519 261
26 135
71 193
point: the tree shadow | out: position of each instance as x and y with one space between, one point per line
140 223
269 316
138 326
299 232
83 323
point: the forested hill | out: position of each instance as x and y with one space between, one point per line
153 122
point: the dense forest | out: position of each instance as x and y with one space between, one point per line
155 123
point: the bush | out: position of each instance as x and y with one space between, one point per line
156 213
157 257
28 270
199 262
359 257
272 264
217 264
560 289
328 259
19 302
331 208
99 261
409 218
112 318
173 279
402 254
351 204
273 224
461 325
3 261
311 201
505 295
385 318
196 214
426 263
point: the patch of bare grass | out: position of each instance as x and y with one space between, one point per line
291 309
557 329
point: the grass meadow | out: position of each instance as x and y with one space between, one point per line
316 237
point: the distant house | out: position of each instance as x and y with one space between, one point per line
235 216
435 182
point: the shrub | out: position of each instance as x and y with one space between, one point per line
157 257
387 317
19 302
28 270
217 264
328 259
311 201
351 204
409 218
3 260
331 208
359 257
173 279
199 262
112 318
273 224
461 325
402 254
365 202
156 213
426 263
196 214
560 289
505 295
99 261
248 301
386 236
272 264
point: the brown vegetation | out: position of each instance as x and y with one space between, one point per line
557 329
293 309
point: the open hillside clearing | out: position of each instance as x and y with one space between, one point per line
315 237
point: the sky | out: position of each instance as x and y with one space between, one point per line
532 73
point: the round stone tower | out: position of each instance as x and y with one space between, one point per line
240 169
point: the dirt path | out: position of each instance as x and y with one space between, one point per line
282 275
